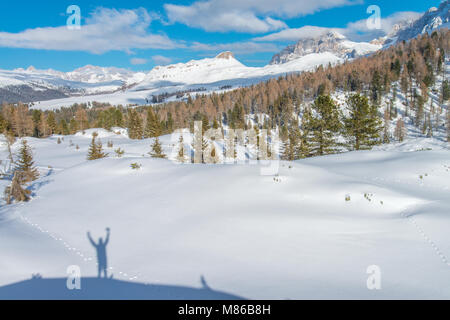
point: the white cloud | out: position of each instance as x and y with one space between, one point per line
297 34
138 61
105 30
236 47
357 31
252 16
161 60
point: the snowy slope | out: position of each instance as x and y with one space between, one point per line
94 74
211 75
247 234
120 86
225 67
41 80
87 74
292 235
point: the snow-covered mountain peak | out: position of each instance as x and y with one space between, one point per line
208 70
330 42
94 74
227 55
433 19
335 35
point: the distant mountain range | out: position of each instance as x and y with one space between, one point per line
224 71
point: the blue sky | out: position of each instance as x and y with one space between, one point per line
139 35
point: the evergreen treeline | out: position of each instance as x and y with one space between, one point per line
299 105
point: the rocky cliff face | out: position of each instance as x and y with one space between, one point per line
337 44
227 55
332 42
432 20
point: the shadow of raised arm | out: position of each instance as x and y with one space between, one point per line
108 232
91 240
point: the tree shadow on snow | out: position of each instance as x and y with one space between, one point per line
106 289
38 185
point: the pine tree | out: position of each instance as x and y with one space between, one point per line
215 124
363 126
376 87
82 119
15 191
214 156
10 140
25 169
448 124
400 130
303 147
157 150
386 133
429 127
153 126
420 112
405 88
51 122
95 151
73 126
135 130
64 128
322 123
119 152
290 147
205 124
445 94
181 157
36 115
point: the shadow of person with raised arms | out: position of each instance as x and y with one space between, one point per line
101 253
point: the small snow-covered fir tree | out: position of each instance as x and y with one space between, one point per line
119 152
15 191
25 169
181 153
157 151
214 156
95 151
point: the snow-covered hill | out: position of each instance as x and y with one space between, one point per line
291 236
309 232
120 86
207 75
87 74
94 74
26 84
